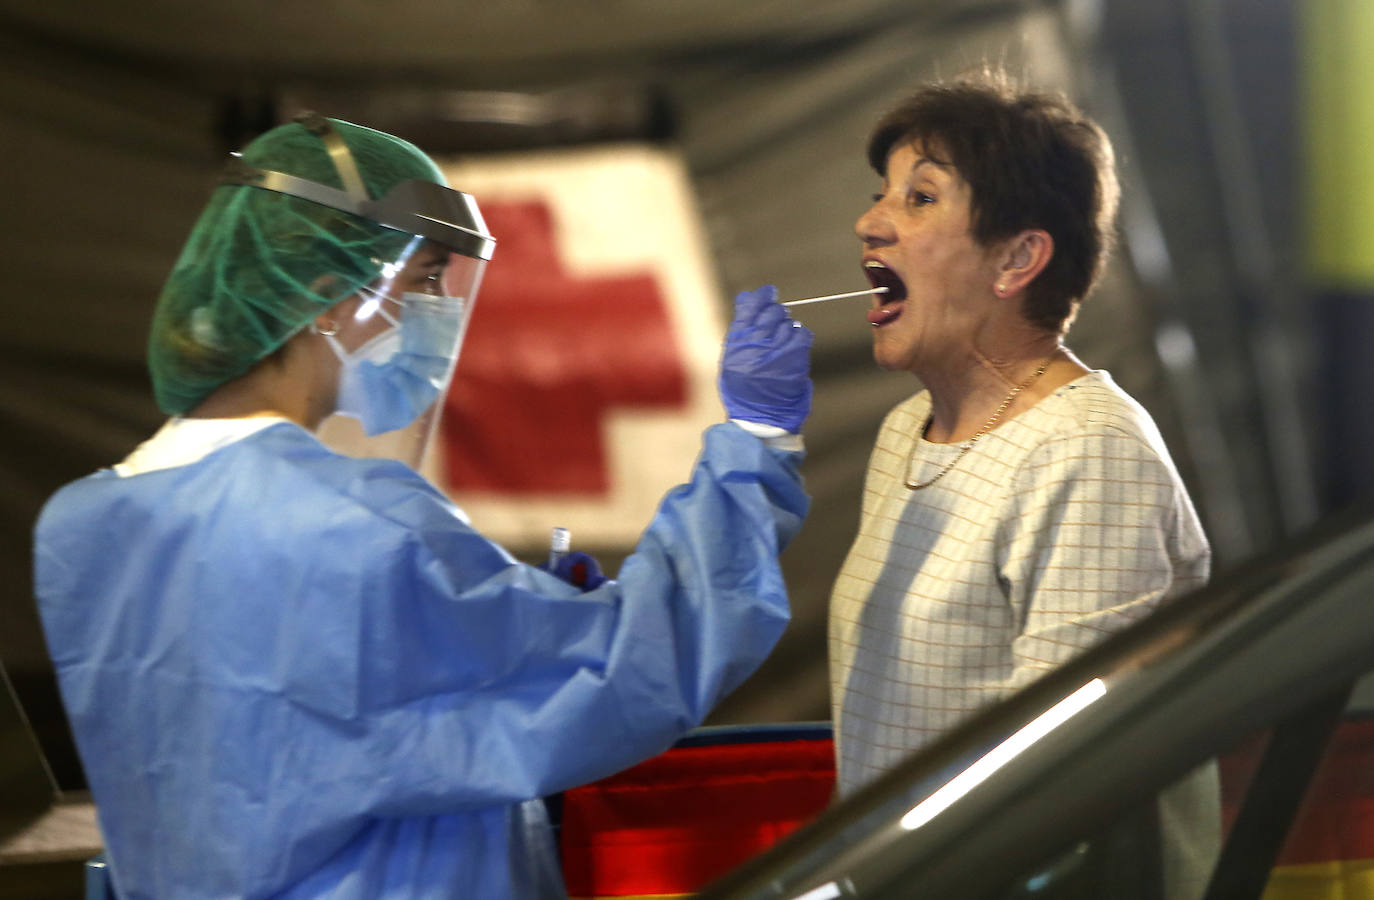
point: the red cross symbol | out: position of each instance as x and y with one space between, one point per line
546 356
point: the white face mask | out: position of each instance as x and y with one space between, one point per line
390 380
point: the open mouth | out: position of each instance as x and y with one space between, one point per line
880 275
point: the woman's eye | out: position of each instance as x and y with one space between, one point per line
877 198
919 198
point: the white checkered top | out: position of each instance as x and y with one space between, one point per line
1061 525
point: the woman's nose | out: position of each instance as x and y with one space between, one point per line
873 227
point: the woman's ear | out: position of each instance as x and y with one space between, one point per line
329 321
326 323
1023 258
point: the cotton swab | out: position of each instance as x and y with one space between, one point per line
876 290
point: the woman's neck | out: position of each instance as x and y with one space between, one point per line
964 399
289 384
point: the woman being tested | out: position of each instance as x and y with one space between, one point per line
294 673
1021 506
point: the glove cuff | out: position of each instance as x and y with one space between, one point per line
772 435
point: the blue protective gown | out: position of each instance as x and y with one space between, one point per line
297 674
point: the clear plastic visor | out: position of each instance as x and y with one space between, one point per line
398 340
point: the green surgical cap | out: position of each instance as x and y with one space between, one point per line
259 265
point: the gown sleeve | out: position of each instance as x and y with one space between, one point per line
455 677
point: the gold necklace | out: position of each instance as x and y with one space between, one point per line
968 444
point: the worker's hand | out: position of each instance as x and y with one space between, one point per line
765 370
578 569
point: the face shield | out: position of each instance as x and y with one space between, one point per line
398 342
397 338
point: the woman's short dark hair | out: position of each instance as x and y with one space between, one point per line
1032 160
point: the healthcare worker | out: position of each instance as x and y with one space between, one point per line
297 673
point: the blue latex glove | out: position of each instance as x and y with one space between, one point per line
578 569
765 370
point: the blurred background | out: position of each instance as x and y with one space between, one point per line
640 161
